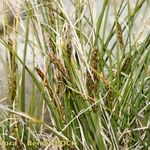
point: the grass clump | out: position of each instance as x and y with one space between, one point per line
89 80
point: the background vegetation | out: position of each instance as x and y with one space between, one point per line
77 74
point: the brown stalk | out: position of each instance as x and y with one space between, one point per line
92 83
50 90
69 43
58 64
120 35
12 80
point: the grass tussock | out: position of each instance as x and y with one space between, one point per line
89 80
